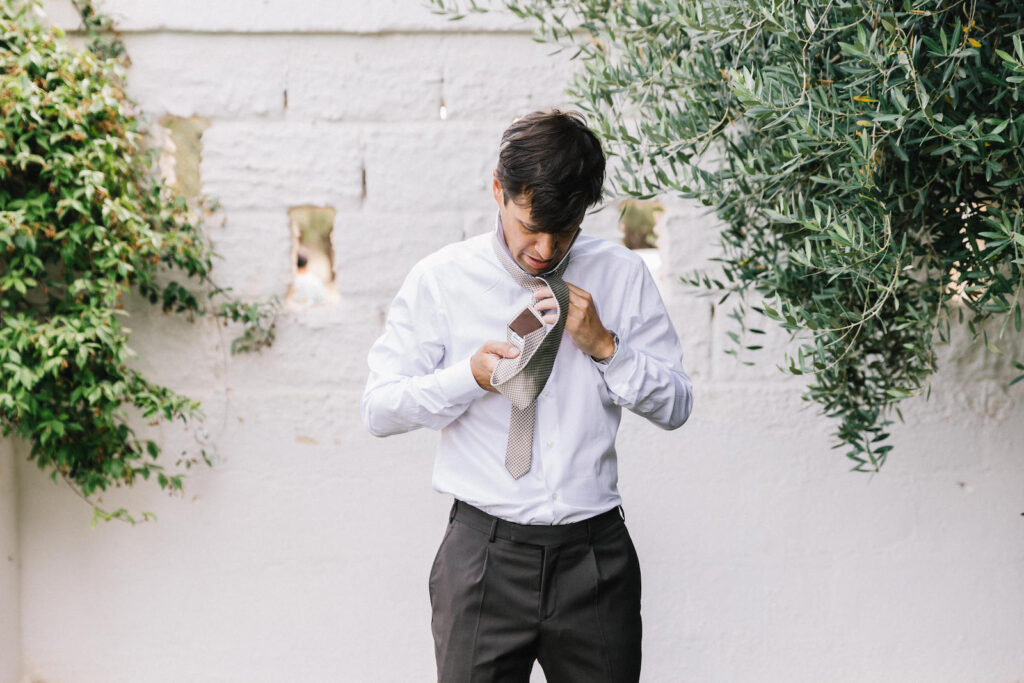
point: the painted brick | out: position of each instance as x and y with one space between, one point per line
365 78
479 222
363 242
181 354
488 77
255 249
689 316
603 222
10 563
254 164
316 16
208 75
431 167
687 237
766 361
322 348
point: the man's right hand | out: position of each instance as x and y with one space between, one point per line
486 357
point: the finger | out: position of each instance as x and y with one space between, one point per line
577 294
501 349
546 305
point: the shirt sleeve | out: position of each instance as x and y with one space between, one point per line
408 386
645 375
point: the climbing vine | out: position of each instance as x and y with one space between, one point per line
84 220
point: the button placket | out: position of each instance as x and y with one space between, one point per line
548 448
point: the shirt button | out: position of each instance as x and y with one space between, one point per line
550 444
554 496
546 393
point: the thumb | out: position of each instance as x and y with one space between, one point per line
511 351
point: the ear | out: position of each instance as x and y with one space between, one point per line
497 191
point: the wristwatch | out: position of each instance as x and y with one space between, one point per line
608 360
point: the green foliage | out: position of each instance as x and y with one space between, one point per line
637 220
865 158
83 221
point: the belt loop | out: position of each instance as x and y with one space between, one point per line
590 530
622 513
494 530
451 515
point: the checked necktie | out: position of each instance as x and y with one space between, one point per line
521 379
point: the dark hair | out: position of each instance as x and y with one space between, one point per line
552 160
301 260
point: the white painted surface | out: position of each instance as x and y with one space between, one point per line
10 559
303 554
308 16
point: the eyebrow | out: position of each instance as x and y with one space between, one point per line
534 228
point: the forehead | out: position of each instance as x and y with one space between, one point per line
520 210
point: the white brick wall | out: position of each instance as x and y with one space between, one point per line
10 561
258 164
310 16
303 554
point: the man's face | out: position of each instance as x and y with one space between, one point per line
536 252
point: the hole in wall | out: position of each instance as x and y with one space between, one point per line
181 153
638 222
312 256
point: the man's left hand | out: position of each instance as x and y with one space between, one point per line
582 323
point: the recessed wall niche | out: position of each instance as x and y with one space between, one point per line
312 257
638 222
182 153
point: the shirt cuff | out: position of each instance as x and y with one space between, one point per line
458 383
618 369
605 361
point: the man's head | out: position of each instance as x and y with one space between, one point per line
550 171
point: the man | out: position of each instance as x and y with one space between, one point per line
536 563
308 289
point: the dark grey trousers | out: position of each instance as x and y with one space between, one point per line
506 595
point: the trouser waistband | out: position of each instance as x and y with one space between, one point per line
535 534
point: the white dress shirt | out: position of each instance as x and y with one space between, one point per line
460 297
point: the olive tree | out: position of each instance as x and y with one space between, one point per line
864 158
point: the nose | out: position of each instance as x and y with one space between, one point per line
546 245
